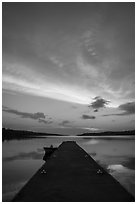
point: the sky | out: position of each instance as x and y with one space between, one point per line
68 67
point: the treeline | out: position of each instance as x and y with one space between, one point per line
109 133
9 134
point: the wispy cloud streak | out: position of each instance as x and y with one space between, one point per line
44 121
35 116
24 80
88 117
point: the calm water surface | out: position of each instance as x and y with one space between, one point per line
22 158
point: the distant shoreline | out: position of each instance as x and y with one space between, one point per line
10 134
88 137
110 133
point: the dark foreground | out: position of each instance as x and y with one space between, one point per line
71 175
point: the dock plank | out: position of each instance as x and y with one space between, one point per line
70 175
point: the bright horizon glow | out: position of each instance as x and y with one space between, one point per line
27 81
52 90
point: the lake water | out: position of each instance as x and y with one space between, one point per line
22 158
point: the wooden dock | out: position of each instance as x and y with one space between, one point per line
71 175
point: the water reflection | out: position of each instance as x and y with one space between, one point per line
22 158
23 155
124 175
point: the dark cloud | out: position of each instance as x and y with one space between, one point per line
86 117
44 121
98 103
34 116
64 122
96 110
127 108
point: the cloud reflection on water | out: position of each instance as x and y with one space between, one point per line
21 159
124 175
124 161
92 142
117 167
9 190
24 155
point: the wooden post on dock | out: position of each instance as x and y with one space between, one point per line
71 175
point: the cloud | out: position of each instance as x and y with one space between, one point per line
44 121
98 103
64 122
86 117
56 61
127 108
34 116
96 110
91 128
